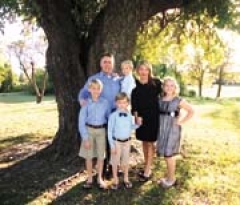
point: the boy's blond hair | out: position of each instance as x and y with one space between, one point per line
95 82
122 96
127 62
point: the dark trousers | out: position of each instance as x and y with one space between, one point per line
107 168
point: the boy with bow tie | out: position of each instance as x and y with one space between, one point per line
120 126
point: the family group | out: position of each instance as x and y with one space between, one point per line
112 106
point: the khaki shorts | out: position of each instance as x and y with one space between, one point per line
97 139
122 155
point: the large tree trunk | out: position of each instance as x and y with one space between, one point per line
70 59
63 64
115 28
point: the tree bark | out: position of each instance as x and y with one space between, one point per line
71 59
115 28
220 81
63 65
200 82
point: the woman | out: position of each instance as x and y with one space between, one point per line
145 105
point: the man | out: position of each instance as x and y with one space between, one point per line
111 87
111 82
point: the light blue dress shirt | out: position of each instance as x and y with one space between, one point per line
93 113
111 87
120 127
127 84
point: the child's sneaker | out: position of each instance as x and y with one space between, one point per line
166 183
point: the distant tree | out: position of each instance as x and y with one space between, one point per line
7 78
221 71
22 78
2 74
188 45
27 52
40 76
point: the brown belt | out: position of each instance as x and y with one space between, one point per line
96 126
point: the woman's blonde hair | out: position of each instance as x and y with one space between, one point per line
147 65
169 78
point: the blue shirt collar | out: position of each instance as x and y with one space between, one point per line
91 100
129 75
104 74
122 111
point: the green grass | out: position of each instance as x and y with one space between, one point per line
20 97
208 172
22 120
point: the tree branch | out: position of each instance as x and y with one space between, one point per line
156 6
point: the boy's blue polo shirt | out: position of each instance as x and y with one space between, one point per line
93 113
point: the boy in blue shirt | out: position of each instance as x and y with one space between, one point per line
120 126
128 82
92 126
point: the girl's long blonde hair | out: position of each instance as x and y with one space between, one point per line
177 88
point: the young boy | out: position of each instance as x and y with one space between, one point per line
128 82
120 125
92 123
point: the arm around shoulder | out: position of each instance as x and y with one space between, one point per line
84 94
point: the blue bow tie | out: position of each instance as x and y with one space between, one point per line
122 114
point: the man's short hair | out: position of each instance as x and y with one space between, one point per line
106 54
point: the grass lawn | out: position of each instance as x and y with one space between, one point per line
207 171
25 122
